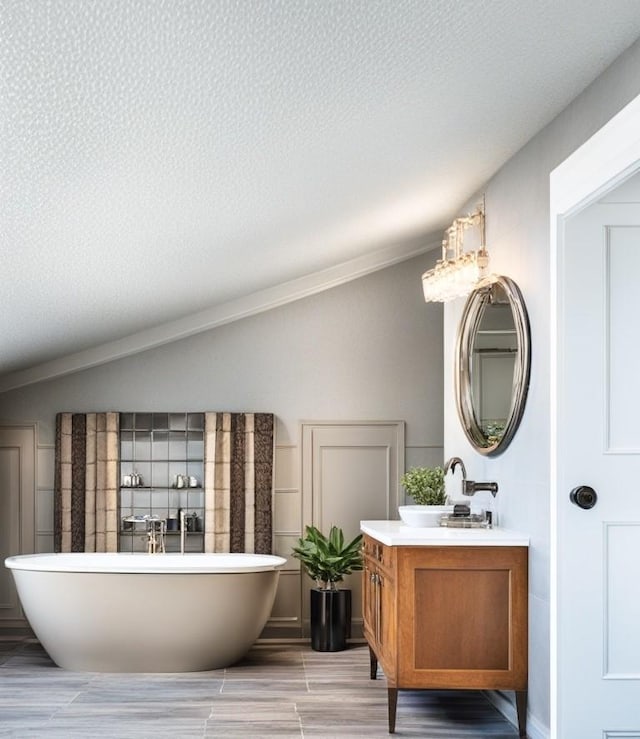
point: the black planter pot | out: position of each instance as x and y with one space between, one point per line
330 619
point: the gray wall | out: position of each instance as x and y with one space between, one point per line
517 210
370 349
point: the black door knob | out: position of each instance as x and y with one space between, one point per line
584 497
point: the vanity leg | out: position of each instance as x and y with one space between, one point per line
373 664
521 708
392 694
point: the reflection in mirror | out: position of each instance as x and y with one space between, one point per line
492 364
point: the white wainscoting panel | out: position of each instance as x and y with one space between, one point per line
46 458
350 472
17 509
285 617
286 620
44 543
44 511
283 546
287 467
9 521
287 511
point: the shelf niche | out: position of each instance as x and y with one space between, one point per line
160 447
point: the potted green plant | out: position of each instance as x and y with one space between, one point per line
426 486
327 559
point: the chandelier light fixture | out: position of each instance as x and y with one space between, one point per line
458 272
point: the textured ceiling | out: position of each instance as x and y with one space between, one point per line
159 158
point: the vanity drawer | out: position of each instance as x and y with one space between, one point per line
377 553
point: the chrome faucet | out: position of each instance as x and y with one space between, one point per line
155 535
452 463
469 487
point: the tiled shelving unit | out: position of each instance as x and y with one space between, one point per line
159 447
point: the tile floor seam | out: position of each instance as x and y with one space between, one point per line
62 707
304 668
210 717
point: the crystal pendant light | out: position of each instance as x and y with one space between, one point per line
458 272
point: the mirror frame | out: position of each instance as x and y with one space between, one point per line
469 323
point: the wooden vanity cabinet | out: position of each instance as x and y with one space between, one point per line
446 617
379 607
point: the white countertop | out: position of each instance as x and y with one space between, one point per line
396 533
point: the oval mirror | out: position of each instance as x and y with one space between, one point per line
493 364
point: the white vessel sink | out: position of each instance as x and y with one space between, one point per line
423 516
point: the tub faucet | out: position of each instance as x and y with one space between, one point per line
155 536
469 487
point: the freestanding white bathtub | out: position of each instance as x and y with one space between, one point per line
146 612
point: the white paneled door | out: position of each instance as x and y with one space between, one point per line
599 458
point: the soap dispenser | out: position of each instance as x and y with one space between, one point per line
483 504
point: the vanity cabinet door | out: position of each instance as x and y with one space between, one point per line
370 567
464 617
379 602
386 613
368 601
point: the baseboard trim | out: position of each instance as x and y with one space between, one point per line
535 730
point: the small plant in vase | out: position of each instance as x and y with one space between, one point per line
327 559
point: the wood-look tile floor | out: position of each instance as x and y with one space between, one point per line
285 691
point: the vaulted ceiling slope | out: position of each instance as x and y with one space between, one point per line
167 165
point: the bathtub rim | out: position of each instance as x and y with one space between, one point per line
146 564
